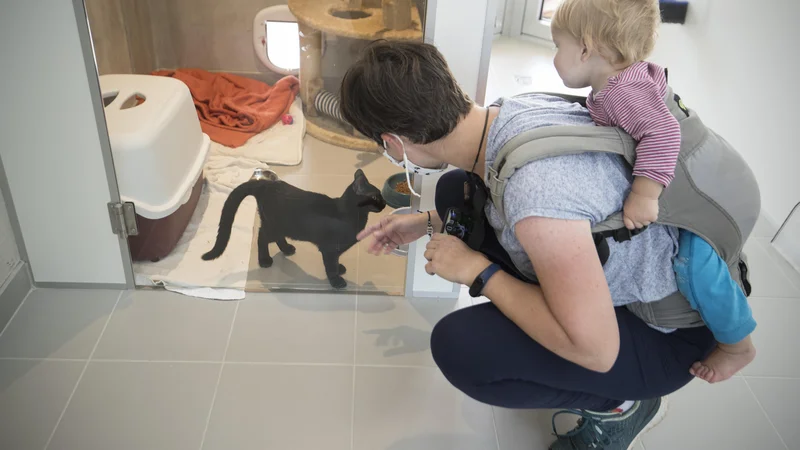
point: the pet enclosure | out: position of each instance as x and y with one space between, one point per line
148 89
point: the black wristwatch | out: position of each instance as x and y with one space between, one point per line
476 289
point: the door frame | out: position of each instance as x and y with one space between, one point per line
516 10
87 48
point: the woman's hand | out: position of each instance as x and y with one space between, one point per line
393 231
451 259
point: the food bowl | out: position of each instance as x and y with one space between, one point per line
393 198
264 174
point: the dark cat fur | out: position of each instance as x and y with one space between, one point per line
332 224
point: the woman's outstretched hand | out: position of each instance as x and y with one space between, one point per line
451 259
393 231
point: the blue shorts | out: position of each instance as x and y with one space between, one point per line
704 279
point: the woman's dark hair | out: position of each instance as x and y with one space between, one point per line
404 88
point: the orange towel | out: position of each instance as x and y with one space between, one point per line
231 108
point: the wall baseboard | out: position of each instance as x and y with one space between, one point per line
13 292
68 285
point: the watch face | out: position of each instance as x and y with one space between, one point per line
477 287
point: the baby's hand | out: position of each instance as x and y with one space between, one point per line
639 211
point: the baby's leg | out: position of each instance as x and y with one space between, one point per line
704 279
725 361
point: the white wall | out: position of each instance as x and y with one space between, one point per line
9 254
51 146
736 63
459 35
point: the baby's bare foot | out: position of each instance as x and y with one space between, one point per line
724 362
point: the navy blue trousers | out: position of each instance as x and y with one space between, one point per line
489 358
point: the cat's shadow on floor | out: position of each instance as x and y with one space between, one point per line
401 340
298 279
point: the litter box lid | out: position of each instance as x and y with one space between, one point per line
158 147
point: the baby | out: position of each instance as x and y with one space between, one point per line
603 44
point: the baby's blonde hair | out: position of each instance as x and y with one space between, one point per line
623 31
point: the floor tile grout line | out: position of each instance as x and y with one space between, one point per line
19 307
764 411
15 358
153 361
219 376
285 364
494 425
242 363
768 377
83 371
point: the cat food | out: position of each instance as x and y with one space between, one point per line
402 188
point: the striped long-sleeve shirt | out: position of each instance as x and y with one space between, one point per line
634 101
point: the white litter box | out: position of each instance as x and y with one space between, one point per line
159 153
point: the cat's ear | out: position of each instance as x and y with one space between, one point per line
360 183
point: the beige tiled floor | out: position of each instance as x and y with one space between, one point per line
155 370
329 170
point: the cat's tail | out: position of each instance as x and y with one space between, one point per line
228 214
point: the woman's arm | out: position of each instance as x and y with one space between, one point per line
571 314
395 230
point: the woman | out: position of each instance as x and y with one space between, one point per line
556 337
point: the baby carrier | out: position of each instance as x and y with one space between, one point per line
714 193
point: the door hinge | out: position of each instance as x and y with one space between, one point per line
123 219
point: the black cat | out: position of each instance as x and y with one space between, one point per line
332 224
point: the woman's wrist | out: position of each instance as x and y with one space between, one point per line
476 264
431 218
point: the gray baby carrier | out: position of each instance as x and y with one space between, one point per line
714 193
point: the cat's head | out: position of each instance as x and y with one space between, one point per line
366 195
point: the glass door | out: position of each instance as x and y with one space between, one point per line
537 16
499 19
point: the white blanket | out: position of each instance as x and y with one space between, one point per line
281 144
183 270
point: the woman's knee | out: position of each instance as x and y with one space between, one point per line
450 191
458 352
445 342
452 350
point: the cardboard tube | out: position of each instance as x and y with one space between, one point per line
310 66
397 14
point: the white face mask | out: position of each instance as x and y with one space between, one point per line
410 166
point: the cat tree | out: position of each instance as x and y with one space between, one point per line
357 19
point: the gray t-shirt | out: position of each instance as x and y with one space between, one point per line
586 186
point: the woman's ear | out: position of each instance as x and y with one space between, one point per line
390 141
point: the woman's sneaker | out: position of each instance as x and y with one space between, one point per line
610 431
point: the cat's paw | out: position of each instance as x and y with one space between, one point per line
337 282
265 263
342 269
289 250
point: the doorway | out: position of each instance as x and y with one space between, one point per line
136 41
535 18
